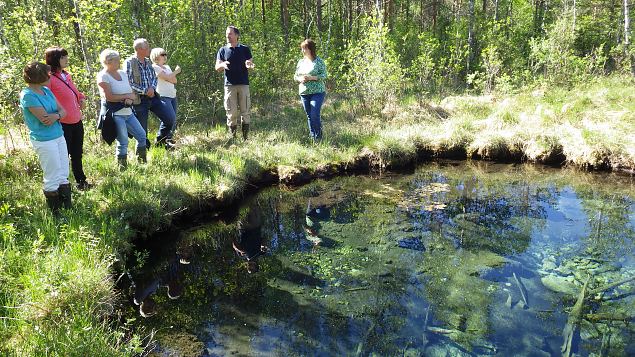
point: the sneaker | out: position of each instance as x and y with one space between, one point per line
148 308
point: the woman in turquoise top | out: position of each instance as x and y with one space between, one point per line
42 116
311 73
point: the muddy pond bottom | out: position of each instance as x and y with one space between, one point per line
454 259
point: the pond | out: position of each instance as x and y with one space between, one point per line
453 259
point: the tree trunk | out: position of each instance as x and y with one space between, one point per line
575 14
318 9
3 38
496 10
435 13
508 19
262 11
627 25
350 16
284 20
470 37
76 29
545 7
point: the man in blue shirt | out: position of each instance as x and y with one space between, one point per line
235 60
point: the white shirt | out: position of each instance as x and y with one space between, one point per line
116 87
164 88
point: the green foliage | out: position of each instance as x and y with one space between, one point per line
553 57
425 67
375 74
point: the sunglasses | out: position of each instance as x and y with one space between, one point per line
164 54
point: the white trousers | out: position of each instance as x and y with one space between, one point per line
53 156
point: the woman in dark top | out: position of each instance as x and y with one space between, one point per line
72 100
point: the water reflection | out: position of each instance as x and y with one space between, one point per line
248 242
453 260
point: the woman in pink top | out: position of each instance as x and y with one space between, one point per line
72 100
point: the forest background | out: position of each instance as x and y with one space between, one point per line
376 50
557 77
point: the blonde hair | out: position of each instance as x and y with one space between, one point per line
108 55
155 53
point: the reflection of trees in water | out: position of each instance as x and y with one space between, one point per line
611 232
476 214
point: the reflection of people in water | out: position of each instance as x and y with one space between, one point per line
170 275
248 243
313 216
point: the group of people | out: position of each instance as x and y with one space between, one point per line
52 104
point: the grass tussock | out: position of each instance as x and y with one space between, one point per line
56 287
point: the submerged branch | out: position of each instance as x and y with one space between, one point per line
599 317
611 285
523 292
571 330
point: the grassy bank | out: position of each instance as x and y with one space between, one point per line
56 287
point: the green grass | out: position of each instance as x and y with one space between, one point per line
56 285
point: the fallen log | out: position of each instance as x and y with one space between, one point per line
571 332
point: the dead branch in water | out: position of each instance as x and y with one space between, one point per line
521 287
571 330
610 286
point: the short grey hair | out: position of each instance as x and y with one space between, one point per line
108 55
140 43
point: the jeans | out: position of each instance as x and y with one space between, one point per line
53 156
74 135
163 110
128 124
312 104
172 102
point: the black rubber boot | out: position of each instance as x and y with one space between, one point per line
142 155
245 131
53 201
232 129
65 195
122 162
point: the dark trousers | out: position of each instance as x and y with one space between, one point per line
74 135
163 110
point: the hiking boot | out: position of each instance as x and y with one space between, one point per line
245 131
166 143
142 155
84 186
53 200
122 162
65 195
